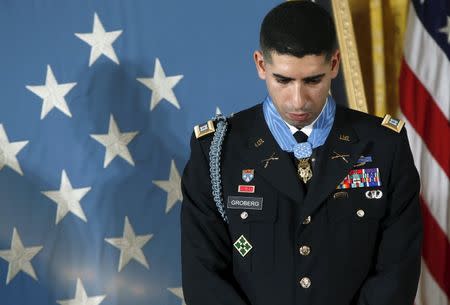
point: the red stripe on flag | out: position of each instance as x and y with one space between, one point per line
425 116
435 249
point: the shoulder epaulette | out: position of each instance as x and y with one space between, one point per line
392 123
204 129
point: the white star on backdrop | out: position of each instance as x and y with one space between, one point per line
171 186
52 94
446 30
115 143
81 297
9 150
19 258
67 199
161 86
178 291
100 41
130 246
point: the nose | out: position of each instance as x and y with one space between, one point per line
298 99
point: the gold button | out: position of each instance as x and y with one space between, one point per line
307 220
360 213
305 282
305 250
244 215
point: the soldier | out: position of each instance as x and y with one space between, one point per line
298 200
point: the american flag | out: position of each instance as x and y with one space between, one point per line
425 105
98 100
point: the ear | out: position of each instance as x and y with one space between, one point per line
335 62
258 57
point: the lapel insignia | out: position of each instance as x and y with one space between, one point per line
246 188
259 142
266 162
374 194
342 156
340 195
248 174
363 160
204 129
242 245
392 123
366 177
344 137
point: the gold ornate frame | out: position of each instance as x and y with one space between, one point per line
349 55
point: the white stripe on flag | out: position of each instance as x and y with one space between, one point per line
435 184
428 62
428 292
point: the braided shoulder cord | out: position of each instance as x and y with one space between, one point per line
214 163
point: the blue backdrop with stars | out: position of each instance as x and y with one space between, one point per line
98 100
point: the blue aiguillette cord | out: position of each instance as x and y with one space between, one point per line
283 134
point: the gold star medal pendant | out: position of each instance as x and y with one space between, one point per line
303 152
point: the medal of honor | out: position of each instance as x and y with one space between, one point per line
304 169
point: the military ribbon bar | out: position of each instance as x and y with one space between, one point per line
364 177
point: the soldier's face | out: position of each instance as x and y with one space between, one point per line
298 86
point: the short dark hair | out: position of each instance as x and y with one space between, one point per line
298 28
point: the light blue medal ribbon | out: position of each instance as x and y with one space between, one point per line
284 136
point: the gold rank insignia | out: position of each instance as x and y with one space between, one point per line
204 129
392 123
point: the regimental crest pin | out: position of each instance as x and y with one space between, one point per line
248 175
243 246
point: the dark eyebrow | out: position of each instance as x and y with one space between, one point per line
306 79
279 76
313 78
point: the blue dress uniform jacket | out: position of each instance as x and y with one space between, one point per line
323 246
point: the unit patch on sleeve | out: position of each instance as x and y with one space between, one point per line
243 246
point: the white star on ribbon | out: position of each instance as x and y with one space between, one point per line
161 86
171 186
81 297
178 291
52 94
130 246
115 143
9 150
19 258
100 41
446 30
68 199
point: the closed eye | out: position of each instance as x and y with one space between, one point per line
313 80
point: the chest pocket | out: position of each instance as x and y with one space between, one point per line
359 204
353 223
254 252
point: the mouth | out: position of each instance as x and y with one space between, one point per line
299 117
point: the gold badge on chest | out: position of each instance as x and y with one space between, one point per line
304 170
